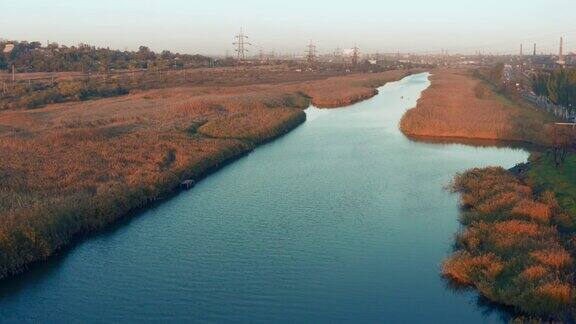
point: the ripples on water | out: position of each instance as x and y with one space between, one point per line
343 219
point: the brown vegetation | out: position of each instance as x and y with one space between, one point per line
330 93
71 168
459 106
510 249
46 88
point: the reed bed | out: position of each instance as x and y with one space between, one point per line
511 249
71 168
459 106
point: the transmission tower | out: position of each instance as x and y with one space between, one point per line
311 52
561 52
338 54
355 54
241 43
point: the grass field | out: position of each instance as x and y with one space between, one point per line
562 181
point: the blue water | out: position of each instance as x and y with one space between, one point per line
342 220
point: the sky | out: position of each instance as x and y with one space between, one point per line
208 26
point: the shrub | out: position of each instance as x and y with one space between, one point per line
554 296
481 91
553 258
467 269
537 211
71 88
40 98
533 273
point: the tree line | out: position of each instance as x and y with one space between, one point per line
559 86
33 57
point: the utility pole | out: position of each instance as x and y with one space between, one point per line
311 53
13 73
241 44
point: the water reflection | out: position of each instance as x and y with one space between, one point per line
487 143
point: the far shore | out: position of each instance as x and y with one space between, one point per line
459 106
515 246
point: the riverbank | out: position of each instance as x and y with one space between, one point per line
462 107
516 247
560 180
69 169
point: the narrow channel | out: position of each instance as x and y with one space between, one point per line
342 220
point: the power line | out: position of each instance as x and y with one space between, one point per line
550 43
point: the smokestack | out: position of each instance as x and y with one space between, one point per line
520 50
534 54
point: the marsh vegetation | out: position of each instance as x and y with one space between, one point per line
72 168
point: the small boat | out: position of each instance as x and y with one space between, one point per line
187 184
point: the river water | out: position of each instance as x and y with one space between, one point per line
341 220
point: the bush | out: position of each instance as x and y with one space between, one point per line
71 89
482 91
41 98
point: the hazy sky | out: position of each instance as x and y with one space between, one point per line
208 26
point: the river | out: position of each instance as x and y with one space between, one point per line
342 220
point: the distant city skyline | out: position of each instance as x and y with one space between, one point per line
415 26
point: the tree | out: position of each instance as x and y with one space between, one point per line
559 86
561 138
496 73
32 57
